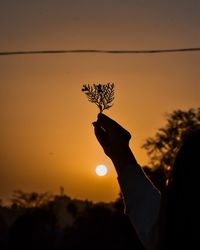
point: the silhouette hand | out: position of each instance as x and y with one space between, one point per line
114 139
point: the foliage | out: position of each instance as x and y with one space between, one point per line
72 209
30 200
100 94
95 226
163 147
100 226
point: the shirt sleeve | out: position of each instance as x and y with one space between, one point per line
142 202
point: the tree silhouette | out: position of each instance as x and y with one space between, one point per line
72 209
30 200
33 230
162 148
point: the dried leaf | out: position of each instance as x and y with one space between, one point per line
100 94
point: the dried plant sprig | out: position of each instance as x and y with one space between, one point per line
100 94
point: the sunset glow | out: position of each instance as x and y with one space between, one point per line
46 135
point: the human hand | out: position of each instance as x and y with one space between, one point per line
114 140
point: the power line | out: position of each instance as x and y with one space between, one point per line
151 51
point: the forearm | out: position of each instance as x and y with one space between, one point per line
142 200
122 158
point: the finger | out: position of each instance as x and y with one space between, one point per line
106 122
101 135
112 126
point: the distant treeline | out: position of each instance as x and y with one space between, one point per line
64 223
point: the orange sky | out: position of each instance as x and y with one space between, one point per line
46 128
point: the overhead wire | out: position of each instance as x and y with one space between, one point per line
65 51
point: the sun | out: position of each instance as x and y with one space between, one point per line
101 170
